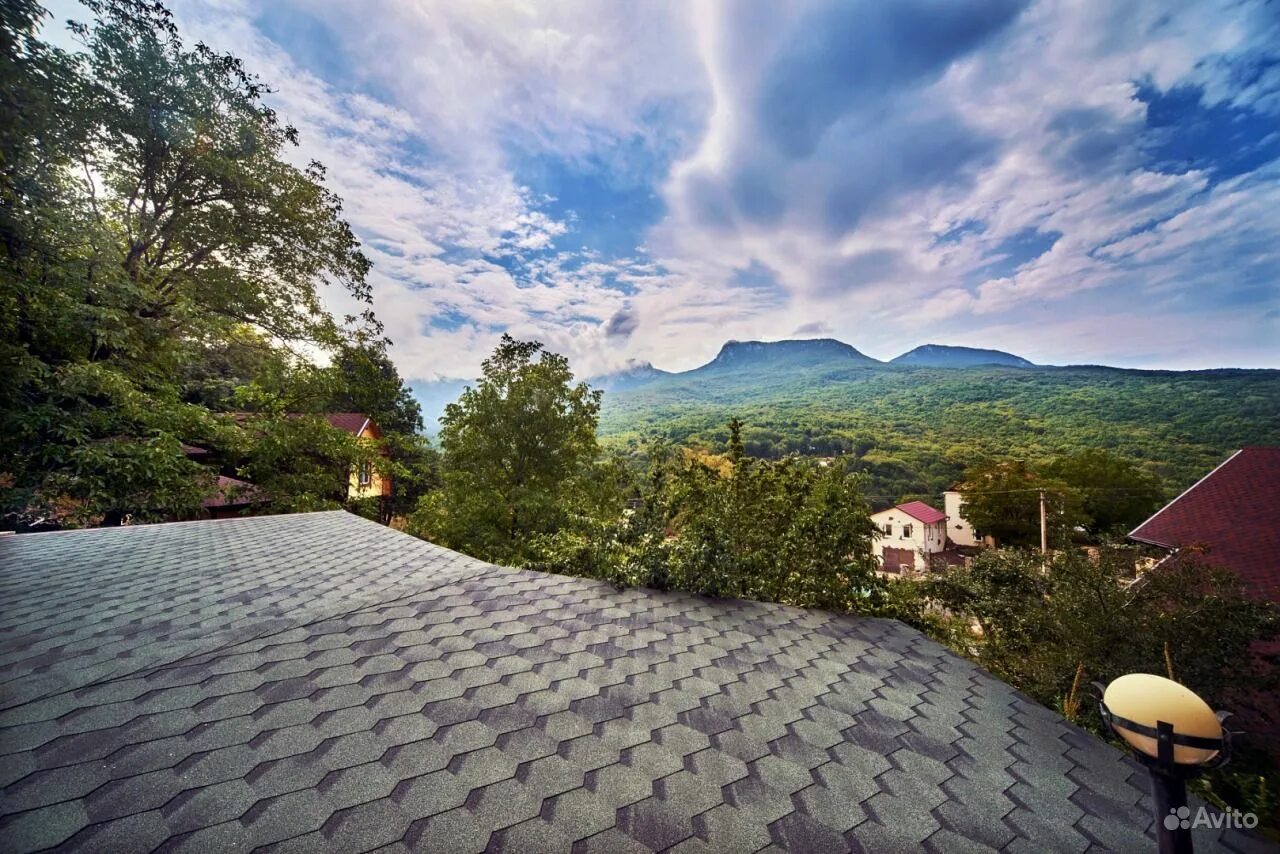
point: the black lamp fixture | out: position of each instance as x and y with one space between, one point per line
1175 734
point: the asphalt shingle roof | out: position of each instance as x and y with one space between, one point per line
1233 515
321 683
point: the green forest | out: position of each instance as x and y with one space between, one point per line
914 431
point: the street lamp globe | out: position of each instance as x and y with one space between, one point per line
1139 702
1175 734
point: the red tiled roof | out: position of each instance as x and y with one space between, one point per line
194 450
923 512
233 493
1233 515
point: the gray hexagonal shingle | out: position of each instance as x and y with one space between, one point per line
319 682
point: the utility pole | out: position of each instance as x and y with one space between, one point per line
1044 534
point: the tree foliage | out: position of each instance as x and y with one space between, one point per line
1002 500
1115 495
518 456
161 258
779 531
1092 490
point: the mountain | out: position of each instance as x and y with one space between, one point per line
943 356
913 426
635 374
913 430
795 353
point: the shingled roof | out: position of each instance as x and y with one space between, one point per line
1232 515
318 682
923 512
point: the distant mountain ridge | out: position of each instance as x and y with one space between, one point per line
636 373
946 356
806 351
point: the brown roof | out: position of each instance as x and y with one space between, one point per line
351 422
1233 516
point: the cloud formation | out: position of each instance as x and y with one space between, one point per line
1077 182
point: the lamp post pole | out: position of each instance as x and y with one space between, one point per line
1168 793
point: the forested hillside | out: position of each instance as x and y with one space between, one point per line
914 430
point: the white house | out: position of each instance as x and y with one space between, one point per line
958 527
908 534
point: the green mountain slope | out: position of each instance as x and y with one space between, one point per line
914 430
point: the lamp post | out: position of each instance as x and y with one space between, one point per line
1175 735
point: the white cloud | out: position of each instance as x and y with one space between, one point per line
880 204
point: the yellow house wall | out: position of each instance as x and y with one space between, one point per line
377 486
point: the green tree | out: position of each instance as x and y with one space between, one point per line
1002 499
1116 496
297 464
518 457
147 212
782 530
368 382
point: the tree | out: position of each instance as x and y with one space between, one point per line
298 464
1116 496
779 531
1002 500
367 381
147 213
1039 623
518 456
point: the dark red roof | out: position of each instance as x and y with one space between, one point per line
1233 515
923 512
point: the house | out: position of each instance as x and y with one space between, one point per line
232 497
907 535
319 682
1231 518
959 529
365 481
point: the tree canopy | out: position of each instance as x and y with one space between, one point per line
518 456
165 261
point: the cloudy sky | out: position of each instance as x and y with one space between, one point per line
1072 181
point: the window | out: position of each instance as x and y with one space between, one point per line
888 529
366 473
906 532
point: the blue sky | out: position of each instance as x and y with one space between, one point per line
1074 182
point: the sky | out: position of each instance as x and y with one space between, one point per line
1076 182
